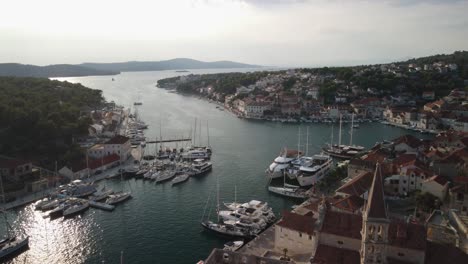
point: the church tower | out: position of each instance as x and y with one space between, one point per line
375 224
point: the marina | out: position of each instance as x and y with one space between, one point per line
242 150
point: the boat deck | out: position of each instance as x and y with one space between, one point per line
102 206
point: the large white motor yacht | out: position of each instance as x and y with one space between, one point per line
318 168
282 163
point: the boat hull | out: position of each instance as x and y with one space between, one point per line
287 193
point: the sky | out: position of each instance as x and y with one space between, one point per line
262 32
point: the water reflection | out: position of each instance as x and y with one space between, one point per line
59 240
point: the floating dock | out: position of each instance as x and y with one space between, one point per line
102 206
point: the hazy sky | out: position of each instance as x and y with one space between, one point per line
266 32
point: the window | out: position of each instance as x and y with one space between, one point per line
401 254
300 234
412 182
404 189
404 181
340 242
310 237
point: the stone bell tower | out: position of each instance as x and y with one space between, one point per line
375 224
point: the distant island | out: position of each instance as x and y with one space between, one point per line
57 70
89 69
174 64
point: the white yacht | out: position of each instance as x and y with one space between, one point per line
76 208
165 176
233 245
229 228
313 172
282 163
180 179
295 166
201 166
101 194
289 191
197 153
118 197
258 220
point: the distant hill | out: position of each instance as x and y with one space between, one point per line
57 70
88 69
174 64
458 57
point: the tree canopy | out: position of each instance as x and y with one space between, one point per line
39 117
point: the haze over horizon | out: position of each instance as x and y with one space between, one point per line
262 32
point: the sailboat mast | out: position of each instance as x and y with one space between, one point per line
351 133
191 135
299 142
195 132
199 135
160 135
331 143
235 194
339 135
208 133
217 197
307 141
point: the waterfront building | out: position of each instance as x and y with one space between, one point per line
119 145
14 169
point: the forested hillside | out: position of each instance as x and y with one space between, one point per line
39 117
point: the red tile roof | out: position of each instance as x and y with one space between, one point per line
358 185
376 207
118 140
409 140
351 203
404 159
333 255
301 223
407 235
342 224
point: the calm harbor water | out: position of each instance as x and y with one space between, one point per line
161 223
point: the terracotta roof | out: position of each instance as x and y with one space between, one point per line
378 155
351 203
376 207
407 235
118 140
358 185
439 253
301 223
332 255
410 140
404 159
342 224
11 163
